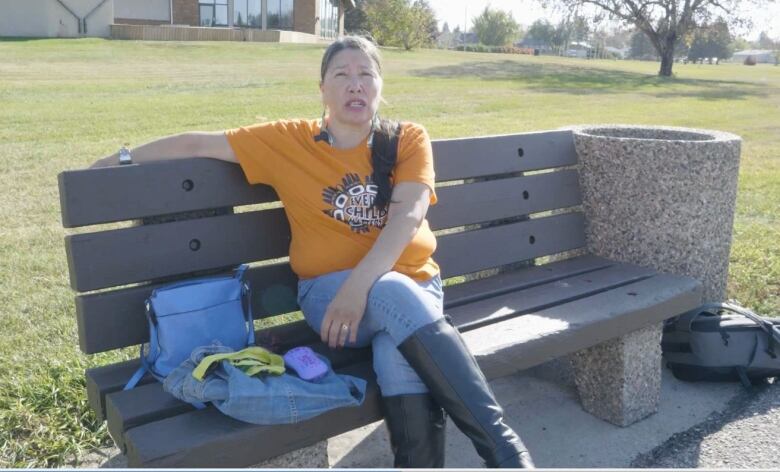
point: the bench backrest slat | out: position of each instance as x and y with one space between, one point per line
111 320
114 194
130 255
472 251
478 202
482 221
495 155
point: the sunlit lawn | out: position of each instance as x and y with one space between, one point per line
64 103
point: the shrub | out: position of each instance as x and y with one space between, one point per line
494 49
750 61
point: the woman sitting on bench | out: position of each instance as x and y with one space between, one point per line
356 190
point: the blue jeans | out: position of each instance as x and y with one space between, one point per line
262 399
397 306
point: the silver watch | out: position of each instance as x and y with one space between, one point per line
124 156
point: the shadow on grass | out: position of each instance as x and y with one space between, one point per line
560 78
24 39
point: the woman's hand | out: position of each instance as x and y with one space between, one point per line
345 310
406 214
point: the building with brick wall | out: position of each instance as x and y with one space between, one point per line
74 18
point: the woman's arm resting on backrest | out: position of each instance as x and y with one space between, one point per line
193 144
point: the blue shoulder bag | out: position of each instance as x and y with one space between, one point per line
193 313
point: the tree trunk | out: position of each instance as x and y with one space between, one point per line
667 60
667 55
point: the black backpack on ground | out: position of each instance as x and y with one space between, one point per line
722 342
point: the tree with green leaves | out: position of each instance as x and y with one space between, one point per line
710 41
355 19
641 48
665 22
495 27
401 23
766 42
540 34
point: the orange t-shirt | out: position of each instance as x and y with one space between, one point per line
325 195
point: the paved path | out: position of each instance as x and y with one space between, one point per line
745 435
699 425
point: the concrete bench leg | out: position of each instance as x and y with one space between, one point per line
620 380
311 457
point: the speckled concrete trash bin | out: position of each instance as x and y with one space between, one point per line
660 197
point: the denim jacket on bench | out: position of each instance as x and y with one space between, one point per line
269 399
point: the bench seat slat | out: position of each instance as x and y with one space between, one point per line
472 251
465 158
147 403
479 202
475 290
128 409
111 378
207 438
520 343
532 339
492 310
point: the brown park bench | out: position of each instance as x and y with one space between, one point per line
505 203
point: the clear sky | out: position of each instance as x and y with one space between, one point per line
525 12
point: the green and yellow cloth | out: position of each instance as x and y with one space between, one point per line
253 360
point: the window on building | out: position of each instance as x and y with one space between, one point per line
213 12
329 18
248 13
280 14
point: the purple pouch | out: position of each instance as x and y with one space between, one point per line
305 363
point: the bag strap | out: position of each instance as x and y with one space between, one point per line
139 374
743 377
246 302
153 348
240 270
684 321
772 330
246 294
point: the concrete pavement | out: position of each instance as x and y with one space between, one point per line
698 425
693 428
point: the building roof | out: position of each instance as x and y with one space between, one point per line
753 52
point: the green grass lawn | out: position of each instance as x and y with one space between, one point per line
64 103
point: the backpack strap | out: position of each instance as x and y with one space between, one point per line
772 330
743 377
684 321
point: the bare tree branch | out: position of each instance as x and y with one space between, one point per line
665 22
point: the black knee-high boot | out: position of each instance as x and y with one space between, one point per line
416 425
440 357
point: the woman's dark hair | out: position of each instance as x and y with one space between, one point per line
384 147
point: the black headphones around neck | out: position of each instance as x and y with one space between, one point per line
324 135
